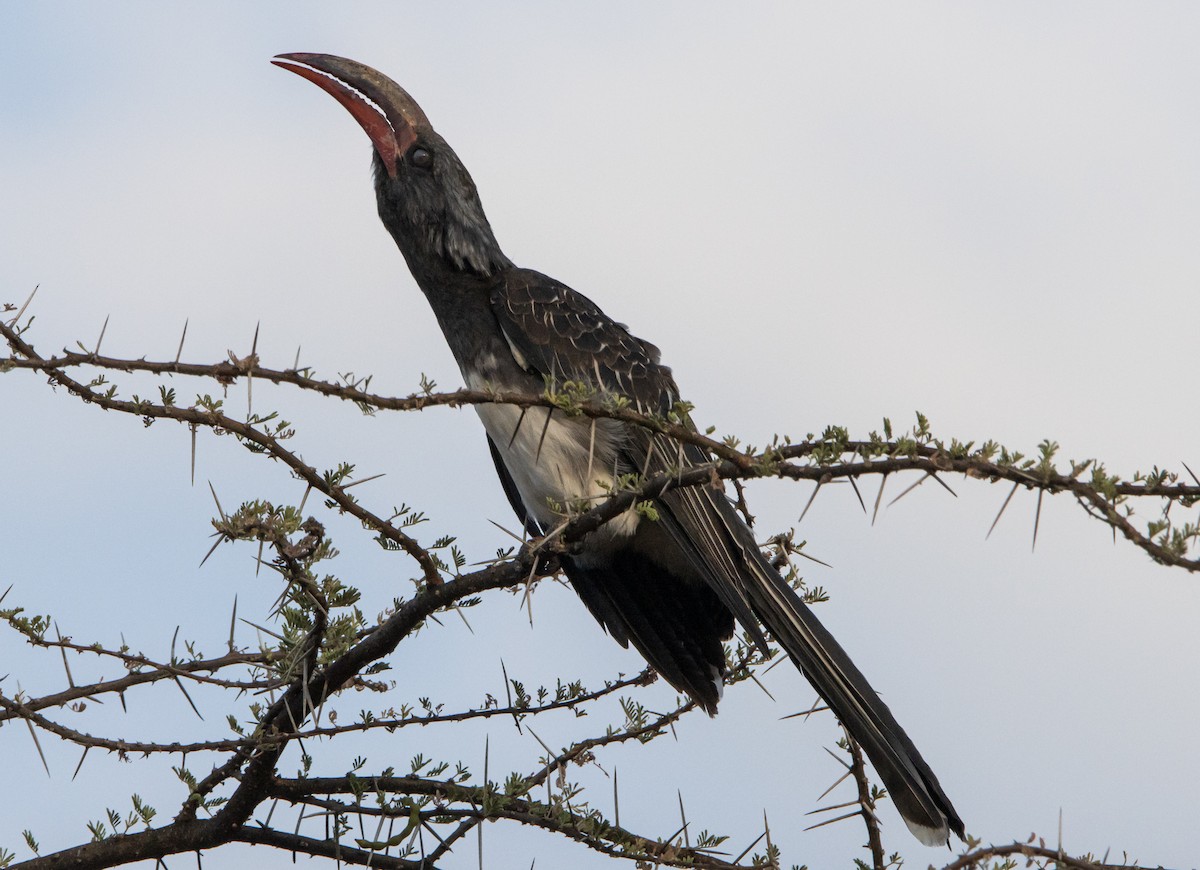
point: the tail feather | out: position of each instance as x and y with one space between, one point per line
702 519
909 780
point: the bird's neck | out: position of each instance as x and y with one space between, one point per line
446 251
461 301
440 236
457 263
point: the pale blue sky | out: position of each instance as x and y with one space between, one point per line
822 215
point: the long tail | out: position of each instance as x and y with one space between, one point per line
703 523
909 780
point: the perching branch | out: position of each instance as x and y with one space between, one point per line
282 694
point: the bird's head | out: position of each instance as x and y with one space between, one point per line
426 197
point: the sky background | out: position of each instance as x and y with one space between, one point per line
822 215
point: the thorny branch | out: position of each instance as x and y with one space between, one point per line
148 671
325 646
832 456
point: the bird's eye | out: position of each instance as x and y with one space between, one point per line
420 158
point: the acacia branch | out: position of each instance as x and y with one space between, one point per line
480 803
217 420
250 772
826 456
334 849
157 672
1044 857
866 803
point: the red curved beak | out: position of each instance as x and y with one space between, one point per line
391 118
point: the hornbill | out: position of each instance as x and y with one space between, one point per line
673 581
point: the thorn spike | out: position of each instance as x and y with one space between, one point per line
1011 493
179 352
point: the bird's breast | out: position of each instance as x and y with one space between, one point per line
561 465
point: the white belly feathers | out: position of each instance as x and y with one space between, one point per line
560 468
